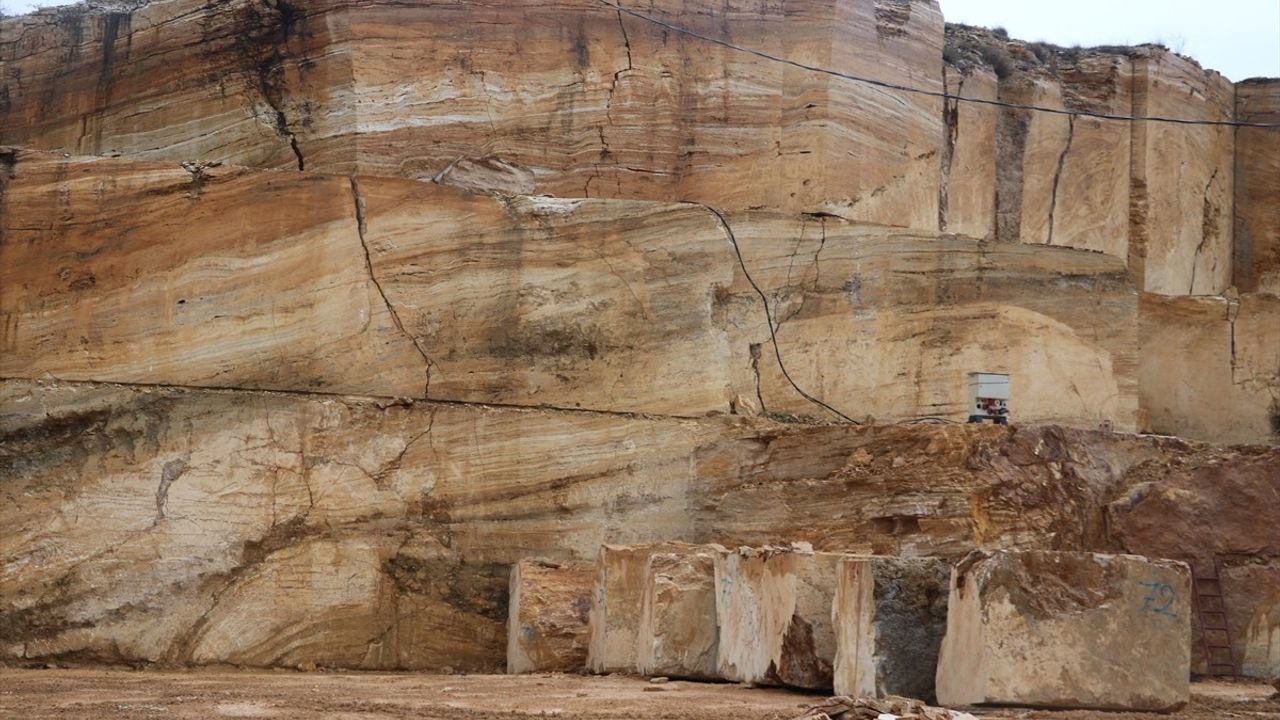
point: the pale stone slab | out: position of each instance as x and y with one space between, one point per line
889 615
678 635
773 606
617 602
1067 630
547 616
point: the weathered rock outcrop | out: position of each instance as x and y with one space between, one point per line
1067 630
152 524
889 615
547 616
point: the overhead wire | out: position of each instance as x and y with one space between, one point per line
925 91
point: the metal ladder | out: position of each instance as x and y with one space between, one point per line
1215 636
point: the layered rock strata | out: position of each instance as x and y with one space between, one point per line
1256 264
1067 630
679 634
153 273
889 615
773 606
1224 379
547 616
172 525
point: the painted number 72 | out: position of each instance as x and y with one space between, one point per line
1159 599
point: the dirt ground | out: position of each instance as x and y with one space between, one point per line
82 693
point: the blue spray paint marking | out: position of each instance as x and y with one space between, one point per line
1160 598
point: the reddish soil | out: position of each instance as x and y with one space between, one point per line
83 693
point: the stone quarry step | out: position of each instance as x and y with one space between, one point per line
773 606
1067 630
617 603
547 616
889 615
678 635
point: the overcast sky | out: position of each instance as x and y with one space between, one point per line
1239 38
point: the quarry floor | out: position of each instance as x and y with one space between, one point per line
83 693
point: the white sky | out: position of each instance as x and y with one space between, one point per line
1239 38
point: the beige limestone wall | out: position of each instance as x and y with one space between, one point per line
967 186
1183 177
1211 366
149 273
1257 185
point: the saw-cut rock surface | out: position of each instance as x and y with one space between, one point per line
154 525
547 616
1223 383
126 271
678 635
617 603
1256 264
1067 630
576 97
889 615
1183 176
773 606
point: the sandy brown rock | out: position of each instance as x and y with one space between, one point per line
679 635
1180 240
534 301
773 606
582 99
547 616
1223 383
617 603
1256 263
889 616
1067 630
114 553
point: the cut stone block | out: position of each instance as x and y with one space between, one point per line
890 615
773 606
1067 630
617 603
547 616
678 635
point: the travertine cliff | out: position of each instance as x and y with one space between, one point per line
342 308
154 524
641 111
126 271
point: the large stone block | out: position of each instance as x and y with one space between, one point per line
547 616
617 604
773 606
1067 630
678 635
889 615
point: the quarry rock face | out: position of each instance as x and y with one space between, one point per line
1224 381
773 605
889 616
115 553
1067 630
537 301
299 355
547 625
1256 263
678 634
585 100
